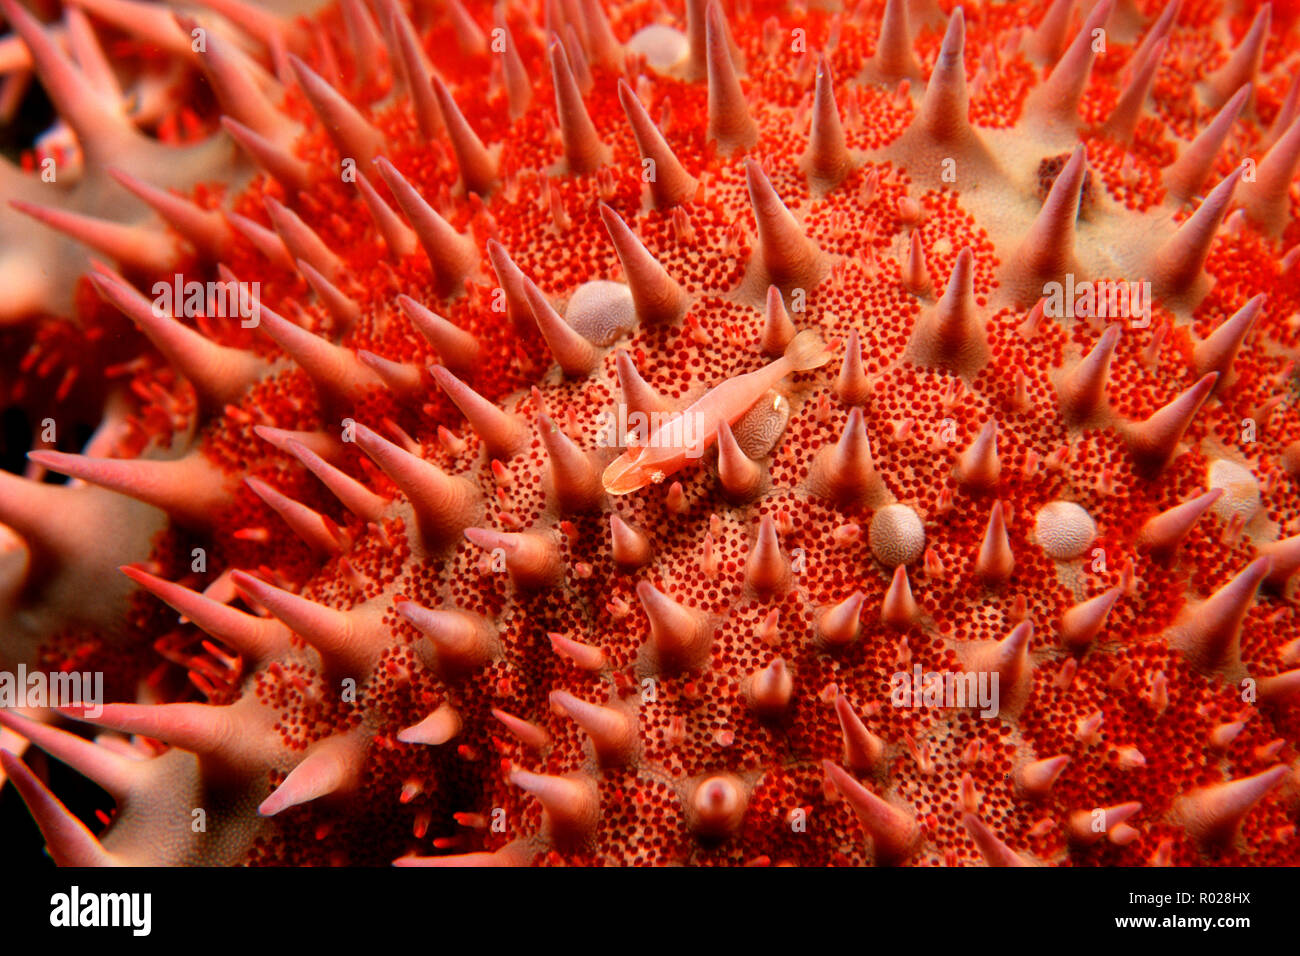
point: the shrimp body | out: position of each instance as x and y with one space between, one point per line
667 450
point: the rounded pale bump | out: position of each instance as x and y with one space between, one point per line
662 46
1240 499
601 311
897 535
1064 530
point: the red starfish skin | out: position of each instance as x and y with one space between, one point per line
417 626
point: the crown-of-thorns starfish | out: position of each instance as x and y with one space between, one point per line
572 434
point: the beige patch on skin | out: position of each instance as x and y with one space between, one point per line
1240 498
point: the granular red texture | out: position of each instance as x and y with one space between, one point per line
438 605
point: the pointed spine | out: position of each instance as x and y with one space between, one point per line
1285 555
254 637
512 282
292 173
341 307
916 274
1009 657
680 639
730 124
351 132
1047 40
355 496
189 489
529 734
66 837
1178 263
1216 351
518 84
503 434
236 87
1213 815
767 571
944 114
98 124
532 559
1242 65
346 647
894 832
133 246
1036 779
115 773
894 58
1081 624
979 466
264 240
444 505
477 164
211 732
1164 532
398 236
1154 440
655 294
583 150
320 534
420 93
1048 247
770 690
575 482
898 609
671 184
995 560
852 385
572 805
219 374
788 256
302 241
1266 200
628 547
205 229
1083 389
827 161
637 393
778 329
994 851
1123 119
1187 174
333 766
612 732
845 470
452 256
462 643
840 624
741 476
583 656
1060 93
864 752
1212 630
336 371
574 354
